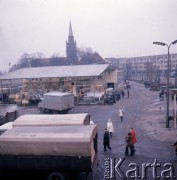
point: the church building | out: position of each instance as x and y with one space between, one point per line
71 49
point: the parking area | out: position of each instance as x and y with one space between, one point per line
142 112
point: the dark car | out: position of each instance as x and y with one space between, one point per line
109 99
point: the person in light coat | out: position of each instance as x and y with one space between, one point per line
121 114
110 127
91 122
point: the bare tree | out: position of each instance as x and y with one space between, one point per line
37 55
128 69
55 55
150 71
24 60
83 52
88 56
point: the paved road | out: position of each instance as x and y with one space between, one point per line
153 140
149 147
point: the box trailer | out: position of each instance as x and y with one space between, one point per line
61 152
5 127
56 102
52 120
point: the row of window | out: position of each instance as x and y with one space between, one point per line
150 58
145 63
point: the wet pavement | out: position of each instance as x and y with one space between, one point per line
142 112
154 156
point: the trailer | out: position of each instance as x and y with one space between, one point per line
5 127
60 152
56 102
8 113
52 120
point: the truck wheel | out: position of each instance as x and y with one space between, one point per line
42 110
56 176
55 112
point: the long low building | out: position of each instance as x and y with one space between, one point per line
75 78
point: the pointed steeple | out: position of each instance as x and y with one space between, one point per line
70 30
71 48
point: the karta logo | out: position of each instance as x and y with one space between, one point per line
113 170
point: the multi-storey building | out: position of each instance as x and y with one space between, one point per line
146 67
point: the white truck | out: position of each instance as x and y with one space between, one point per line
56 102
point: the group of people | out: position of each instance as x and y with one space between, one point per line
130 139
123 93
130 143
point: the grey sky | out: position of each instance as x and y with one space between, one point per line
113 28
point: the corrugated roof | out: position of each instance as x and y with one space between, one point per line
56 71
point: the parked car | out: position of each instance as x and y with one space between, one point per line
109 99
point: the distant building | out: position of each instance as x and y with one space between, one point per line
74 56
91 80
71 56
71 49
145 67
70 59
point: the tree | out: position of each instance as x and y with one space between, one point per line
37 55
84 52
55 55
151 71
28 60
128 69
87 56
25 60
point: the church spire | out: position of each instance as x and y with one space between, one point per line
71 48
70 30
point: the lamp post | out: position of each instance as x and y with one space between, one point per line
168 68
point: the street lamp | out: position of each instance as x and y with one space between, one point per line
168 68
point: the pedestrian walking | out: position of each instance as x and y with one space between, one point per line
123 93
121 114
128 93
110 127
133 134
106 140
175 145
129 147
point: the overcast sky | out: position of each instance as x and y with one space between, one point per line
113 28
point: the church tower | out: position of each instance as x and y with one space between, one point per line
71 49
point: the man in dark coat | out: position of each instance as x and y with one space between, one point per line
106 141
129 145
175 144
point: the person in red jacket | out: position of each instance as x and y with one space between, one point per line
133 134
